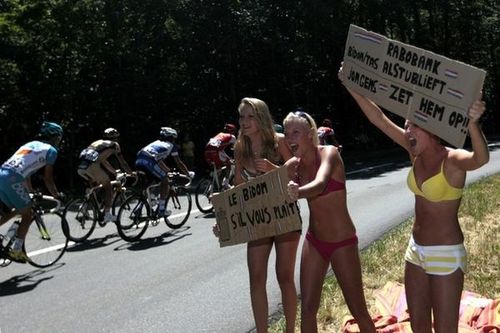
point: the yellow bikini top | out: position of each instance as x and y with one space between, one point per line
435 188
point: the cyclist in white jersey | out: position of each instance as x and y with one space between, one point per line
151 159
15 183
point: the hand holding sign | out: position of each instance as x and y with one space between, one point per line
430 90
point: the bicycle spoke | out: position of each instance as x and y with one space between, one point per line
81 218
133 218
179 203
203 196
45 241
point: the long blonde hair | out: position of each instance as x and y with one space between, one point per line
243 147
305 119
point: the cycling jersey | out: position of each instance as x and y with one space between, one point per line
28 159
215 149
324 133
221 141
99 150
31 157
149 156
91 158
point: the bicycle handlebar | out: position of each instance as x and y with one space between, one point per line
178 175
37 197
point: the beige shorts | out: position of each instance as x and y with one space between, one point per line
93 173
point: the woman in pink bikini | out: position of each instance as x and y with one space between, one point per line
331 238
436 259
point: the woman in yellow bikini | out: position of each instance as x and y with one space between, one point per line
435 257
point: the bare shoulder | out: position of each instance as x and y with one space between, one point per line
458 154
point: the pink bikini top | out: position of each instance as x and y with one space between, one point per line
332 185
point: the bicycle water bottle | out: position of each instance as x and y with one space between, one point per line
11 233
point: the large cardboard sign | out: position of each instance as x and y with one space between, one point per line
430 90
256 209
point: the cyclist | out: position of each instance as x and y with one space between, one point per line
326 134
95 167
151 159
215 150
15 183
278 128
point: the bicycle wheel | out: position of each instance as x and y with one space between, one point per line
80 216
179 203
203 194
133 218
45 241
119 198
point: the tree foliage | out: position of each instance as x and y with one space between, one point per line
140 64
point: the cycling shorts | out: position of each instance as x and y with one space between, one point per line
93 172
13 190
217 157
151 166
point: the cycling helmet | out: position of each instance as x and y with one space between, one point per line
111 133
167 132
327 122
230 128
50 129
278 128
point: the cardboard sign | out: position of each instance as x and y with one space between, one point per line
430 90
256 209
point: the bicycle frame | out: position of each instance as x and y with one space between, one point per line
40 240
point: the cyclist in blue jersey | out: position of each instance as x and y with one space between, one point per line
151 159
15 183
95 167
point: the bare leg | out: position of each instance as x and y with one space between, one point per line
446 292
347 268
312 275
286 252
108 195
25 222
418 297
257 259
164 189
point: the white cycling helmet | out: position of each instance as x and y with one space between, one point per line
168 132
111 133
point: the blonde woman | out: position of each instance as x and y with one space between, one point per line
331 238
436 258
260 149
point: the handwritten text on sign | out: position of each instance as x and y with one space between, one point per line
430 90
256 209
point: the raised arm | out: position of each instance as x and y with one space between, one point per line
480 154
377 117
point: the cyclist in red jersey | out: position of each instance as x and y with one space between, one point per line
215 150
326 134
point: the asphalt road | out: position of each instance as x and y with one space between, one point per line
179 281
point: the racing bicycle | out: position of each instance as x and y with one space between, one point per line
83 214
45 242
218 181
141 209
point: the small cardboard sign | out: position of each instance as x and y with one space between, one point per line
430 90
256 209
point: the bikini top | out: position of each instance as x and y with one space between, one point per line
332 185
435 188
249 175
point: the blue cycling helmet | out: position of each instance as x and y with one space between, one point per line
278 128
50 129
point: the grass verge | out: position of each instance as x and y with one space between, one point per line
382 261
